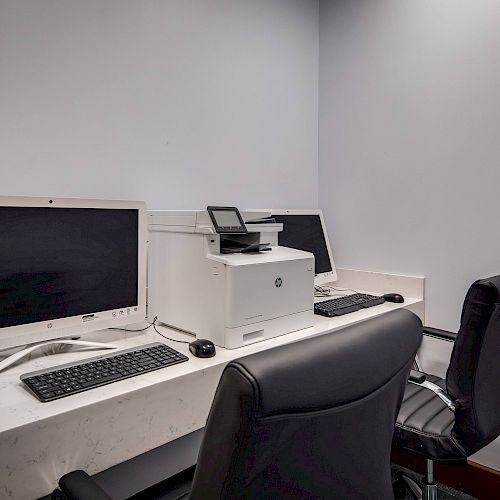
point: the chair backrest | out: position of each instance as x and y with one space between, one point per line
473 377
312 419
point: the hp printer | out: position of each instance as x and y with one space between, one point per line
200 282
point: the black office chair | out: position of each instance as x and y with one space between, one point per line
312 419
448 420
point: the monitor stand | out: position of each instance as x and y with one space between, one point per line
13 358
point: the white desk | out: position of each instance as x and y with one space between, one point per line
94 430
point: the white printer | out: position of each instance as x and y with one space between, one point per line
206 276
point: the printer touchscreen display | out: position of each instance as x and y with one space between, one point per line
227 219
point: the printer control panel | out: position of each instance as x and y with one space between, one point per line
227 220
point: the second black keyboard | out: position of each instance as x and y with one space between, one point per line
71 378
346 304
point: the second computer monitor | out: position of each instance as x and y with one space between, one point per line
304 229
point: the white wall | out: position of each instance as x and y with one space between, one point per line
181 103
409 148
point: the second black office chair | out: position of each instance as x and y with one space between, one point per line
449 420
312 419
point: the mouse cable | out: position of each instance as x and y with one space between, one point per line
321 291
168 338
326 290
153 324
343 289
140 329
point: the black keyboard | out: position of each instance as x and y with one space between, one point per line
71 378
346 304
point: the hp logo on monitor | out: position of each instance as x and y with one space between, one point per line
278 282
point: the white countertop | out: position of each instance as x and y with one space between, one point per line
99 428
19 407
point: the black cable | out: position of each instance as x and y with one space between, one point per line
140 330
326 290
153 324
344 289
168 338
320 291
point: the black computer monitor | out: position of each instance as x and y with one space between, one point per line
306 230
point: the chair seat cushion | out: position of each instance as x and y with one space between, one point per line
424 424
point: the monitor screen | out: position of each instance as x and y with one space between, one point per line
305 232
62 262
69 266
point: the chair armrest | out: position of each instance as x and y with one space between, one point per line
417 377
420 379
78 485
440 334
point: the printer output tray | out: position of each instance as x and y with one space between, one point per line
237 247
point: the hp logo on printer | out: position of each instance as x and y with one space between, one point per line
278 282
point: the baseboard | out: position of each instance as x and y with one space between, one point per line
472 478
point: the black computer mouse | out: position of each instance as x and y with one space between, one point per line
202 348
394 297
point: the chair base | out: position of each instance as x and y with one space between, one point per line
428 491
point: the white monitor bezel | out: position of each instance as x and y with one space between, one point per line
19 335
321 278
